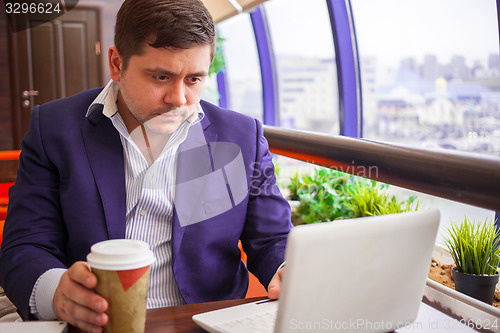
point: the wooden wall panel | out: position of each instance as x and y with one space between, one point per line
6 135
8 170
74 44
45 73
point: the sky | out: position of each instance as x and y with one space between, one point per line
390 29
393 29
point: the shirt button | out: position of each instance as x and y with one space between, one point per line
142 212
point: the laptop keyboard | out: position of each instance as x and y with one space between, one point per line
258 323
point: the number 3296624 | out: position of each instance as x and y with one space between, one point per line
32 8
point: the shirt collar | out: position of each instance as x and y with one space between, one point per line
108 98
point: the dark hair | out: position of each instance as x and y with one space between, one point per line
179 24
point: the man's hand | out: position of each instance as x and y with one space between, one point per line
273 290
76 302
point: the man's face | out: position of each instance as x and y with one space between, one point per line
161 87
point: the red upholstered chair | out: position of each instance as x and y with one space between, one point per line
4 199
1 230
255 288
6 155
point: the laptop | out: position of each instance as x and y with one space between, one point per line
363 275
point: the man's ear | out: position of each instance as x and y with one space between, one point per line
115 63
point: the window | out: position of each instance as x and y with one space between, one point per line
430 72
244 84
210 92
305 64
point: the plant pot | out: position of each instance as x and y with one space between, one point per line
481 287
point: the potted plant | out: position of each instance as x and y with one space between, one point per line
475 250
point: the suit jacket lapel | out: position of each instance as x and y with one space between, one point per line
209 136
105 155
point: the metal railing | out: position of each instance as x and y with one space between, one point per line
469 178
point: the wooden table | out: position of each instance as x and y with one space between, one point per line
178 318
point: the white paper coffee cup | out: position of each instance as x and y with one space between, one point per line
122 268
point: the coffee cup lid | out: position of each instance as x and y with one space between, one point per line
120 254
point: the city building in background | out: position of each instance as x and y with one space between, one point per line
444 105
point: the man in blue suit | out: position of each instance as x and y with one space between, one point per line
144 159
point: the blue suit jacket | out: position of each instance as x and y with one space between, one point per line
70 194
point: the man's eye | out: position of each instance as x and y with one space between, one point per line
194 79
160 77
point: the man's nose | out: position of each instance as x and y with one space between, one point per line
176 95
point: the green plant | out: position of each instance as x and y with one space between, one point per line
292 187
329 194
219 62
474 247
321 195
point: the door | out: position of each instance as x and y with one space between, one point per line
55 59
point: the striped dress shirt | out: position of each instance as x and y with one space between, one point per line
150 191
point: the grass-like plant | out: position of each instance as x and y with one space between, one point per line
393 206
369 199
474 247
366 199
